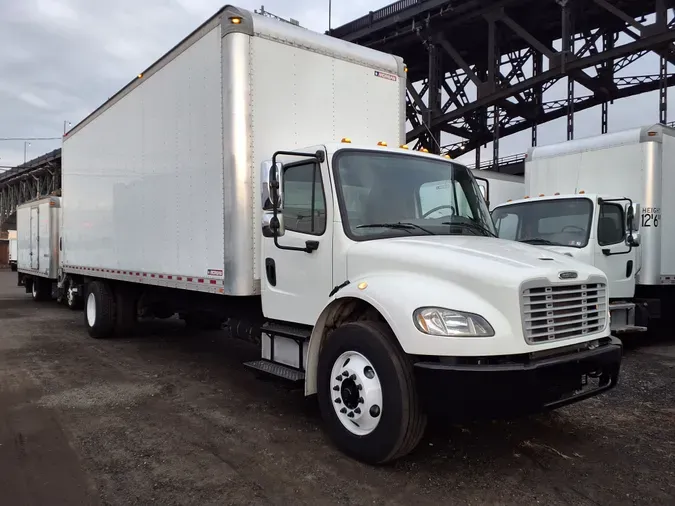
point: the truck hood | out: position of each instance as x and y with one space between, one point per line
488 260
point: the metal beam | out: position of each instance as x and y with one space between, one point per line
645 43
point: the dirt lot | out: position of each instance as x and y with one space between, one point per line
173 418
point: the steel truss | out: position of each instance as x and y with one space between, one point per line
32 180
521 49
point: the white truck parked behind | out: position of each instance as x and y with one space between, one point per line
38 228
584 201
212 186
13 249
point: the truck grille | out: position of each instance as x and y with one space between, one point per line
563 312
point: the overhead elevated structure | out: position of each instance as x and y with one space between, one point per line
480 70
36 178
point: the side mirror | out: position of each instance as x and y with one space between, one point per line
271 187
273 225
633 239
276 186
637 217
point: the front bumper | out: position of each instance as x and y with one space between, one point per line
495 386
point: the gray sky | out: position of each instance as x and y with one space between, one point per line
60 59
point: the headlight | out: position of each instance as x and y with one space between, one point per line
438 321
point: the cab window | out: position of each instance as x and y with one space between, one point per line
611 225
304 202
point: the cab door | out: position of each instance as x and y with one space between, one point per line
297 272
612 255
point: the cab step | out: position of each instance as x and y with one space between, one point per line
277 370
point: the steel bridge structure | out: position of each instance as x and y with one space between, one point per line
480 70
34 179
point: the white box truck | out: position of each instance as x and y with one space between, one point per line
13 249
498 188
584 200
38 232
212 186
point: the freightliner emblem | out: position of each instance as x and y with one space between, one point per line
567 275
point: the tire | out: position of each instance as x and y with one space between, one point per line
99 310
40 290
401 422
13 267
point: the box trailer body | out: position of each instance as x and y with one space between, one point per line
38 244
174 194
613 171
499 188
13 249
223 185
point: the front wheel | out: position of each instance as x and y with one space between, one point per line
367 394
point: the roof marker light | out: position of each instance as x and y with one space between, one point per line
556 193
140 76
403 146
381 143
447 156
346 140
424 150
541 194
235 20
582 192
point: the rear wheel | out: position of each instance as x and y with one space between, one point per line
40 289
367 394
99 312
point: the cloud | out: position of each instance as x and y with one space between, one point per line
60 59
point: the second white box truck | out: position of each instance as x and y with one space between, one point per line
604 200
222 185
38 229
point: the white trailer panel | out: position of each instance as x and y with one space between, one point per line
499 188
162 180
38 225
637 164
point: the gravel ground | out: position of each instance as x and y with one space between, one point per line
169 417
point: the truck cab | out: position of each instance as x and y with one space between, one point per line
387 265
596 229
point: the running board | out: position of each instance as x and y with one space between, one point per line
277 370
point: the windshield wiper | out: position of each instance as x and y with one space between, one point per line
397 226
540 242
471 226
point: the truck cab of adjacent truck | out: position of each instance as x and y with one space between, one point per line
599 230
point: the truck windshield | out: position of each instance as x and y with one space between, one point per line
563 222
392 195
